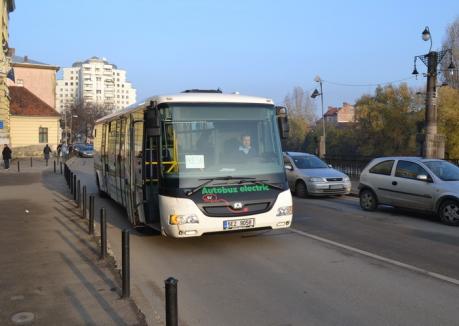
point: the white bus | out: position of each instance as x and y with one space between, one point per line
178 163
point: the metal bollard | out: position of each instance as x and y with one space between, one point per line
103 234
74 187
84 202
31 162
19 166
78 201
54 166
60 165
171 302
126 275
91 215
71 182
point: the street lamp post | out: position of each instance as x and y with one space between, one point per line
433 144
71 126
322 146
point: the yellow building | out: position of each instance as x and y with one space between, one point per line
6 6
34 123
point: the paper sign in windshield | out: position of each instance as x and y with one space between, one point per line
194 161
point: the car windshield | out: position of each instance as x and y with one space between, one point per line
444 170
309 162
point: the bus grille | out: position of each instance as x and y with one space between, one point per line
228 211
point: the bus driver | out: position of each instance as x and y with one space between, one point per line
245 149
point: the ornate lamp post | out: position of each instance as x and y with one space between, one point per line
433 144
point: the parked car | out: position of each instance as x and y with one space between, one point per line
428 185
309 175
83 150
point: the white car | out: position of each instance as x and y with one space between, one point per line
428 185
308 175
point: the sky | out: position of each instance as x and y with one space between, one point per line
262 48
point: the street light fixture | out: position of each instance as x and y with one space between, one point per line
433 144
322 147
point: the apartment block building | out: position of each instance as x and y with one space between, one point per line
94 81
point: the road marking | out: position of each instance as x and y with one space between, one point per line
381 258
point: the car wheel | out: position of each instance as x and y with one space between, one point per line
449 212
368 200
301 190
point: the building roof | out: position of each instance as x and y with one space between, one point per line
26 62
331 112
24 103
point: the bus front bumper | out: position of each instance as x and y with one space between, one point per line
279 216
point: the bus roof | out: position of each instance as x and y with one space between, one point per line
191 98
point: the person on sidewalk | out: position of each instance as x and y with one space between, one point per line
46 152
6 153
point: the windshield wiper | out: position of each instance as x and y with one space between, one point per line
260 182
209 180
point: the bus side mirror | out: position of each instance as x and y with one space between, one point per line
282 121
152 121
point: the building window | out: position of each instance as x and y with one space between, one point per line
66 84
43 135
98 91
98 78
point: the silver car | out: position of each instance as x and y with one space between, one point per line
308 175
428 185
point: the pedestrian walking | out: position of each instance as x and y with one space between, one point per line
6 153
46 152
58 150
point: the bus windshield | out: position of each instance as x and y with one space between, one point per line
201 141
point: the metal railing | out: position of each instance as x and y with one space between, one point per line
354 166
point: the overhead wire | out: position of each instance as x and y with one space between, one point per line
366 85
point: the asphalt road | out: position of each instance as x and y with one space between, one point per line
289 278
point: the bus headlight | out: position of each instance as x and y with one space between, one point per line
183 219
284 210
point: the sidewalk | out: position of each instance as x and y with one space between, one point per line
51 274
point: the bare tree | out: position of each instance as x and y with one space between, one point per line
299 104
451 42
81 117
301 117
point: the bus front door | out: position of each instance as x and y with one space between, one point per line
136 183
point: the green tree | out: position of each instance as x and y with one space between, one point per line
448 119
387 122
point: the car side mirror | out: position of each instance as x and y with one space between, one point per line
423 177
288 167
330 166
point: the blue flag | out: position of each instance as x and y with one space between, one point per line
10 75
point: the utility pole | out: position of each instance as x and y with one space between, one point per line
322 146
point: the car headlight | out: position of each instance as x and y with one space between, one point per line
284 210
313 179
183 219
346 178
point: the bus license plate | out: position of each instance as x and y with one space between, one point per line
239 224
